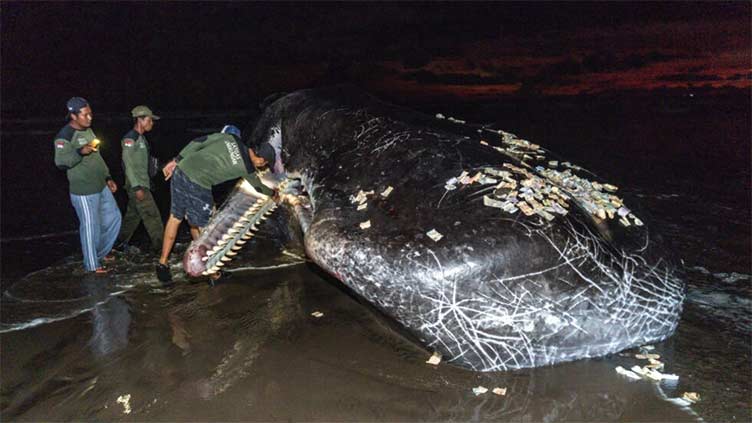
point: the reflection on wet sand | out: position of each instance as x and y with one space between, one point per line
110 317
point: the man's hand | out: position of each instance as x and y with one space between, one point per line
168 169
292 200
140 195
112 185
86 150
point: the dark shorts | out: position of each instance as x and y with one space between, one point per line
190 200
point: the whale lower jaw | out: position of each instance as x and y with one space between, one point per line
228 230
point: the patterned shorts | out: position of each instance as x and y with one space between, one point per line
190 200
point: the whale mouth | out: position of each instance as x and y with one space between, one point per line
229 229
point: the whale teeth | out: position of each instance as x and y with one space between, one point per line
215 249
238 225
240 242
205 273
225 258
243 219
235 248
214 269
226 236
246 237
219 263
205 258
232 232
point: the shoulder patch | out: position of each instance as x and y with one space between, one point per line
59 144
128 143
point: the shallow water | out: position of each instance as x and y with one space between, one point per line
122 347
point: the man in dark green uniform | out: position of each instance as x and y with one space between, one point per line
90 184
140 166
203 163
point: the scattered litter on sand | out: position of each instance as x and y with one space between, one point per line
434 235
691 396
500 391
647 348
387 191
365 225
435 359
126 401
317 314
479 390
647 356
628 373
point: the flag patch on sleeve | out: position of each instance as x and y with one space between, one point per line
128 143
59 144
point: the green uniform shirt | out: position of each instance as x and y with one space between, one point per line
86 174
136 159
213 159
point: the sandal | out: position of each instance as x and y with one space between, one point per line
109 258
101 271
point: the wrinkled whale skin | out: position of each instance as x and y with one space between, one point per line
499 291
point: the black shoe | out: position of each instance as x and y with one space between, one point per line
163 273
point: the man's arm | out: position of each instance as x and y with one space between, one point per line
66 155
256 183
108 177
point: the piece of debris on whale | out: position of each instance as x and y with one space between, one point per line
488 248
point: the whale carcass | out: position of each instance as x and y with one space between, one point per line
477 242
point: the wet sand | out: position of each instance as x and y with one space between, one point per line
249 350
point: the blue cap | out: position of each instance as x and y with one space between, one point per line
75 104
231 129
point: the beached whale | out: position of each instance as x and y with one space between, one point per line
487 247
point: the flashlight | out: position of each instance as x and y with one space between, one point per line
95 144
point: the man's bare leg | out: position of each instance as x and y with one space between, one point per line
195 232
168 240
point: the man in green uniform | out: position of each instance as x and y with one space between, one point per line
140 166
90 184
203 163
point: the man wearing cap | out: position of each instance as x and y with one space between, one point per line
140 166
206 161
90 184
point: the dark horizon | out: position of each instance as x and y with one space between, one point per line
213 56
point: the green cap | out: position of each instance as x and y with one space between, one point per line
142 111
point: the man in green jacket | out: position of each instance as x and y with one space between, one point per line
90 184
207 161
140 166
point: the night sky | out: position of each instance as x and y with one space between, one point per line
215 56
